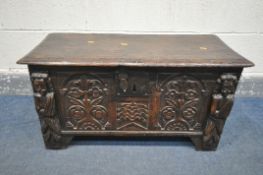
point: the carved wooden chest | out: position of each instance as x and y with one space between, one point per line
133 85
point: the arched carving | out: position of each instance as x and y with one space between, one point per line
181 100
86 99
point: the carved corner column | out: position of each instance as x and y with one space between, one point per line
221 104
46 109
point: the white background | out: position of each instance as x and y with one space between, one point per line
23 24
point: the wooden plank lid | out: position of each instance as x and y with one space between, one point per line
62 49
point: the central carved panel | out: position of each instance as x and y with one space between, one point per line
132 116
85 103
181 100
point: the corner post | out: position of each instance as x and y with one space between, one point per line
46 109
221 104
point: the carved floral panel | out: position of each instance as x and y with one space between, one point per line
86 103
181 102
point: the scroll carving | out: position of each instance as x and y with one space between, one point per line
132 116
222 102
86 103
181 100
46 109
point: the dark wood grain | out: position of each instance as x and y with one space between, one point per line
134 50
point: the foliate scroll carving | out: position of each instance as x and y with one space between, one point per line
46 109
181 100
86 103
222 102
132 116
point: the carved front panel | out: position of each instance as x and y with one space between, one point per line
181 103
89 102
85 103
132 115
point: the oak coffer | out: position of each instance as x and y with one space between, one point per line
133 85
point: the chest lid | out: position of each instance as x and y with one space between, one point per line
112 50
